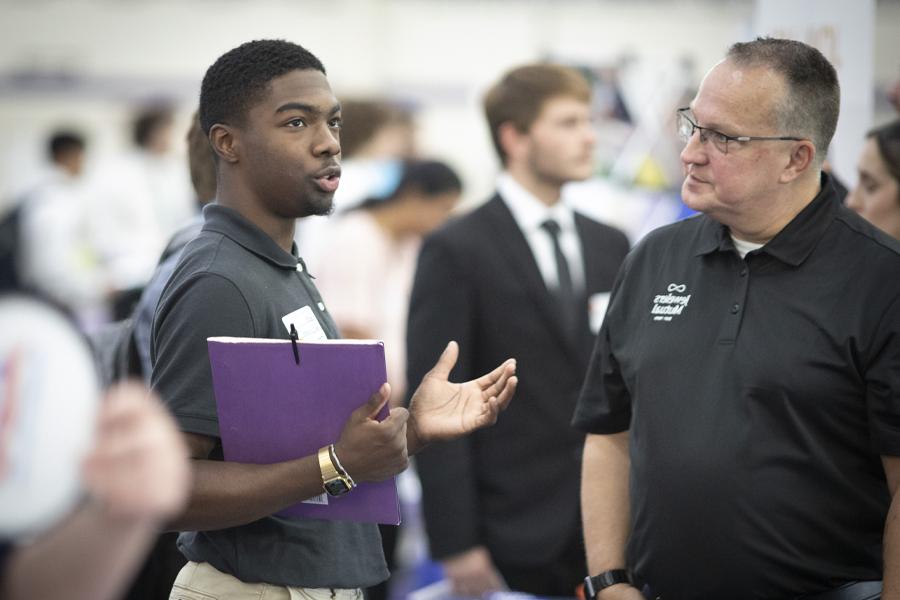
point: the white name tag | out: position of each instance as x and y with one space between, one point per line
597 305
308 327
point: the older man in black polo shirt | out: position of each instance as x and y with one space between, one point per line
743 402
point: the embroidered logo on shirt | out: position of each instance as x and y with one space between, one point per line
668 305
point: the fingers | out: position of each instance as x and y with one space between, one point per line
494 382
500 374
371 450
373 405
507 393
138 466
395 423
446 362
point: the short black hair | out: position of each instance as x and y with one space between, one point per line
430 178
813 100
147 122
238 79
62 142
887 138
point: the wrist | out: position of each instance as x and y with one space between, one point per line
415 442
613 591
335 479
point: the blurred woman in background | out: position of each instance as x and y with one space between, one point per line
877 194
364 269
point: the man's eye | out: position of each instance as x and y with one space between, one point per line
296 123
336 124
719 138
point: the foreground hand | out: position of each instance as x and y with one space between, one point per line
373 450
441 410
138 468
472 573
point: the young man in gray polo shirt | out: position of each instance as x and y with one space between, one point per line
274 123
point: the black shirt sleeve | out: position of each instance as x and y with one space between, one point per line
204 306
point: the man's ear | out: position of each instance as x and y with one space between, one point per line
512 140
800 161
224 142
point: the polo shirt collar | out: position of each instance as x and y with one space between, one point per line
791 245
231 224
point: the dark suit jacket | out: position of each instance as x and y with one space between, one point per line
513 487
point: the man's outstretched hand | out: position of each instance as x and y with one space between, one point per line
441 410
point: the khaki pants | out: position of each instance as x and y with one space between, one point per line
202 581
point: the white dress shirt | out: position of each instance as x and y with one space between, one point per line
529 213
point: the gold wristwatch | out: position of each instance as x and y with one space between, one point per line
335 479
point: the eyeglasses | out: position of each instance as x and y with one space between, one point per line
686 128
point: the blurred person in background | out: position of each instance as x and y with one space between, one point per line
377 129
56 254
139 200
135 474
136 477
519 275
202 169
877 194
155 579
371 257
367 268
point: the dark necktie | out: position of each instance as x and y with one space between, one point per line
565 291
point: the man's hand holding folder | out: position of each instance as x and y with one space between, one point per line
261 417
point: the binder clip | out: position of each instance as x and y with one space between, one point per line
294 338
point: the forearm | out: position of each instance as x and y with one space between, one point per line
892 552
227 494
605 501
91 557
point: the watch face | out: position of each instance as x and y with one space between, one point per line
336 487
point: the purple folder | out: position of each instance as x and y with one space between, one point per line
271 409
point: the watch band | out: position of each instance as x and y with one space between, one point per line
593 585
331 474
337 463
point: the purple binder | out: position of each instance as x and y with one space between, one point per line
271 409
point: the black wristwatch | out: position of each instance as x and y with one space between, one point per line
593 585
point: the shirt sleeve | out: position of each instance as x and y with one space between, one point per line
204 306
604 405
883 384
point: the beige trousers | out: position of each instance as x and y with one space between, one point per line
202 581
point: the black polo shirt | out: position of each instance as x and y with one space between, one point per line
234 280
758 394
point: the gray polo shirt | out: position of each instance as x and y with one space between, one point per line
759 394
234 280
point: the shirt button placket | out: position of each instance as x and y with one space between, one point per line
735 310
